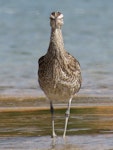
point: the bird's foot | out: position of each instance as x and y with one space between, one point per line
54 135
64 136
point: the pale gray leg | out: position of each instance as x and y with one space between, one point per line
52 119
67 117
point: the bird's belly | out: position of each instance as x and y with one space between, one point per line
58 92
60 87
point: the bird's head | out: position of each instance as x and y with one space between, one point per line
56 20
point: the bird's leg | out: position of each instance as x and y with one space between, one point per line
52 119
67 117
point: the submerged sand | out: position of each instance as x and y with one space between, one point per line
25 123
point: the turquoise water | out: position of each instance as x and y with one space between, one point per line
24 37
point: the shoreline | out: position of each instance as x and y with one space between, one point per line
24 96
35 103
33 109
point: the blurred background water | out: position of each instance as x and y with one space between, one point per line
25 33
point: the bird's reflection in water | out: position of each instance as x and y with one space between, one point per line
62 144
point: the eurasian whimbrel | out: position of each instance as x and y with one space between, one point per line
59 72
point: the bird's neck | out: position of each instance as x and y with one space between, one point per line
56 46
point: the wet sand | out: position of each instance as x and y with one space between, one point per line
35 102
23 126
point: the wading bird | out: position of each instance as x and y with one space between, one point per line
59 73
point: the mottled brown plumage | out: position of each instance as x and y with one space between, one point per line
59 72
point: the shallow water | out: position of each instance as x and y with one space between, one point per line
88 128
87 142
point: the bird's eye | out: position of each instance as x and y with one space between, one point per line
59 13
52 19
